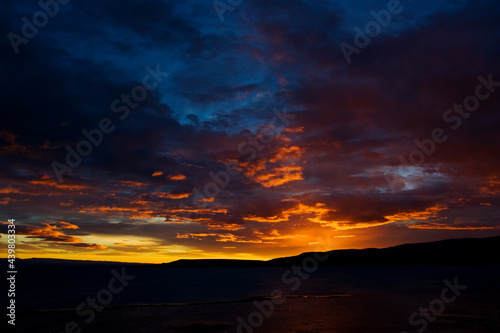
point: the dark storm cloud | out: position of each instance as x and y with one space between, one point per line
329 163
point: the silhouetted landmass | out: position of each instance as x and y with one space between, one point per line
468 251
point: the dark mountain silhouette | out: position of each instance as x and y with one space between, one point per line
468 251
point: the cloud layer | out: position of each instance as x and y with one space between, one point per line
262 140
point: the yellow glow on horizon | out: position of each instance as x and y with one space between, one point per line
145 257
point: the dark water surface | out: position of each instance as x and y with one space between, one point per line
330 299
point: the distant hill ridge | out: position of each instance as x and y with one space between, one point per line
466 251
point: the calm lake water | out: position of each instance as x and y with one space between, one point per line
330 299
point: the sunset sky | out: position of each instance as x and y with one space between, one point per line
312 139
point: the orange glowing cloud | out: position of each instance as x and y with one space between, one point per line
441 226
300 209
200 210
202 215
177 177
177 196
51 232
6 201
317 214
280 176
218 237
426 214
224 226
275 235
131 183
491 186
157 173
9 190
91 246
169 195
55 232
47 181
130 212
279 169
295 130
